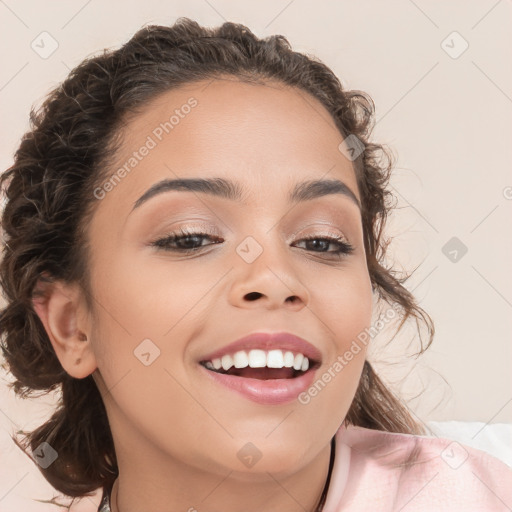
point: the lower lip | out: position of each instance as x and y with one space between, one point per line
267 392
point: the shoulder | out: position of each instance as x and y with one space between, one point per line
387 471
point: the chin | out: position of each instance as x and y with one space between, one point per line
276 456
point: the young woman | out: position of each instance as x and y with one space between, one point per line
194 255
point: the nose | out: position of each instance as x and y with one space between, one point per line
271 281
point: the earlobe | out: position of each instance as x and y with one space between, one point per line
58 306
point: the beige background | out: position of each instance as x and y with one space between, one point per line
447 119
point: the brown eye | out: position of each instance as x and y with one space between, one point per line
184 241
342 247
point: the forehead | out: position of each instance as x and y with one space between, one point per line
259 134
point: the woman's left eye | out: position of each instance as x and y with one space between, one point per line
343 247
186 242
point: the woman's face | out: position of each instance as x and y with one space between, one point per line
160 312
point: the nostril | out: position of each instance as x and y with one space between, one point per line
253 295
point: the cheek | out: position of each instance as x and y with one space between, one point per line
147 312
328 399
343 300
149 297
344 304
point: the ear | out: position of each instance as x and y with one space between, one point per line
61 308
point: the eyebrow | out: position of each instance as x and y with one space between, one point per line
233 191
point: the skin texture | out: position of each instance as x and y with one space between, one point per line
176 434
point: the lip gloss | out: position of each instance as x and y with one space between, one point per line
267 392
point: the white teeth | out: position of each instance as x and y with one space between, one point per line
227 362
240 359
298 362
288 359
257 359
275 359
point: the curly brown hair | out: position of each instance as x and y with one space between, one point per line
49 202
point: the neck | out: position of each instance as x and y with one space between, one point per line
145 484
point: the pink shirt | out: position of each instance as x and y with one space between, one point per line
371 473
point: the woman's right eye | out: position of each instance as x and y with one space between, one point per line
183 241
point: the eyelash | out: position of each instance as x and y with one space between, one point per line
344 248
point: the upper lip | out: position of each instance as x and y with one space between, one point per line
269 341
